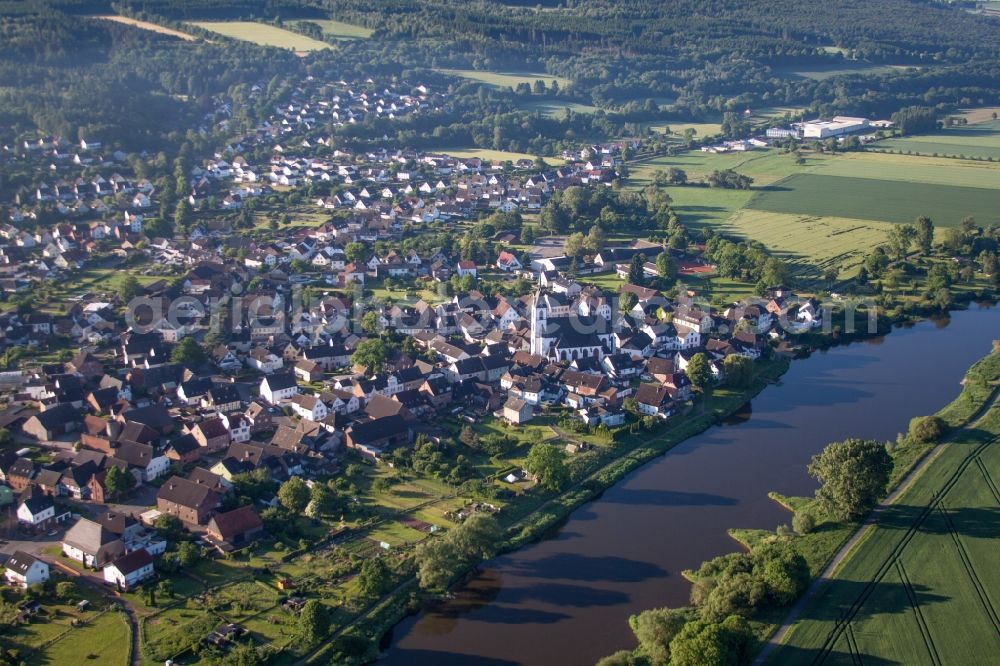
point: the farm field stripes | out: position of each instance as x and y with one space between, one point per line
981 140
810 244
932 170
263 34
883 200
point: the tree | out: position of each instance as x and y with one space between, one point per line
118 481
476 538
655 628
294 495
188 554
435 561
66 590
370 353
925 234
547 464
853 475
323 501
374 577
738 369
370 323
188 353
699 372
169 527
636 275
927 429
165 589
130 288
314 623
706 644
900 237
666 267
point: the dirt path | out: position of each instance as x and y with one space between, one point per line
778 637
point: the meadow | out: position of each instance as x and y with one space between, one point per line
872 199
678 127
506 79
501 155
823 71
933 170
262 34
554 108
764 166
810 244
981 140
921 587
339 30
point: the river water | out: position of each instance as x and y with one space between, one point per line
566 600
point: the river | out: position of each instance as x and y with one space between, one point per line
566 599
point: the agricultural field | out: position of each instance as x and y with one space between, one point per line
933 170
263 34
764 166
339 30
922 586
810 244
146 25
980 141
883 200
507 79
554 108
678 127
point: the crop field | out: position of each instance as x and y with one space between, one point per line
922 587
339 30
933 170
263 34
764 166
810 244
501 155
554 108
679 126
507 79
871 199
146 25
980 141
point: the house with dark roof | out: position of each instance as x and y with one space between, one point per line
194 503
373 438
277 387
54 421
91 544
234 529
24 570
129 570
143 460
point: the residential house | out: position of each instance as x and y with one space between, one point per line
129 570
91 544
235 529
192 502
24 570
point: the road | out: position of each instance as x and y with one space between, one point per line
779 636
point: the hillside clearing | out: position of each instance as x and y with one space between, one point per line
263 35
339 30
145 25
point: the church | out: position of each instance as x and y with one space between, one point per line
559 333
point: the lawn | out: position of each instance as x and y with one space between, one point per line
981 140
870 199
921 587
263 34
499 155
507 79
339 30
104 640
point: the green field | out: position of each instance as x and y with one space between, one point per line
810 244
554 108
487 154
506 79
823 71
339 30
981 141
883 200
934 170
764 166
263 34
922 587
678 127
103 640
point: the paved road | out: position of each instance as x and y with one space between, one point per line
779 636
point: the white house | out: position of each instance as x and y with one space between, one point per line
129 570
278 387
24 570
36 510
308 407
263 360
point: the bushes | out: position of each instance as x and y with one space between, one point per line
927 429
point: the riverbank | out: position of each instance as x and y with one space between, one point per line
550 513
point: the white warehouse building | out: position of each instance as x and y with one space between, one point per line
838 126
